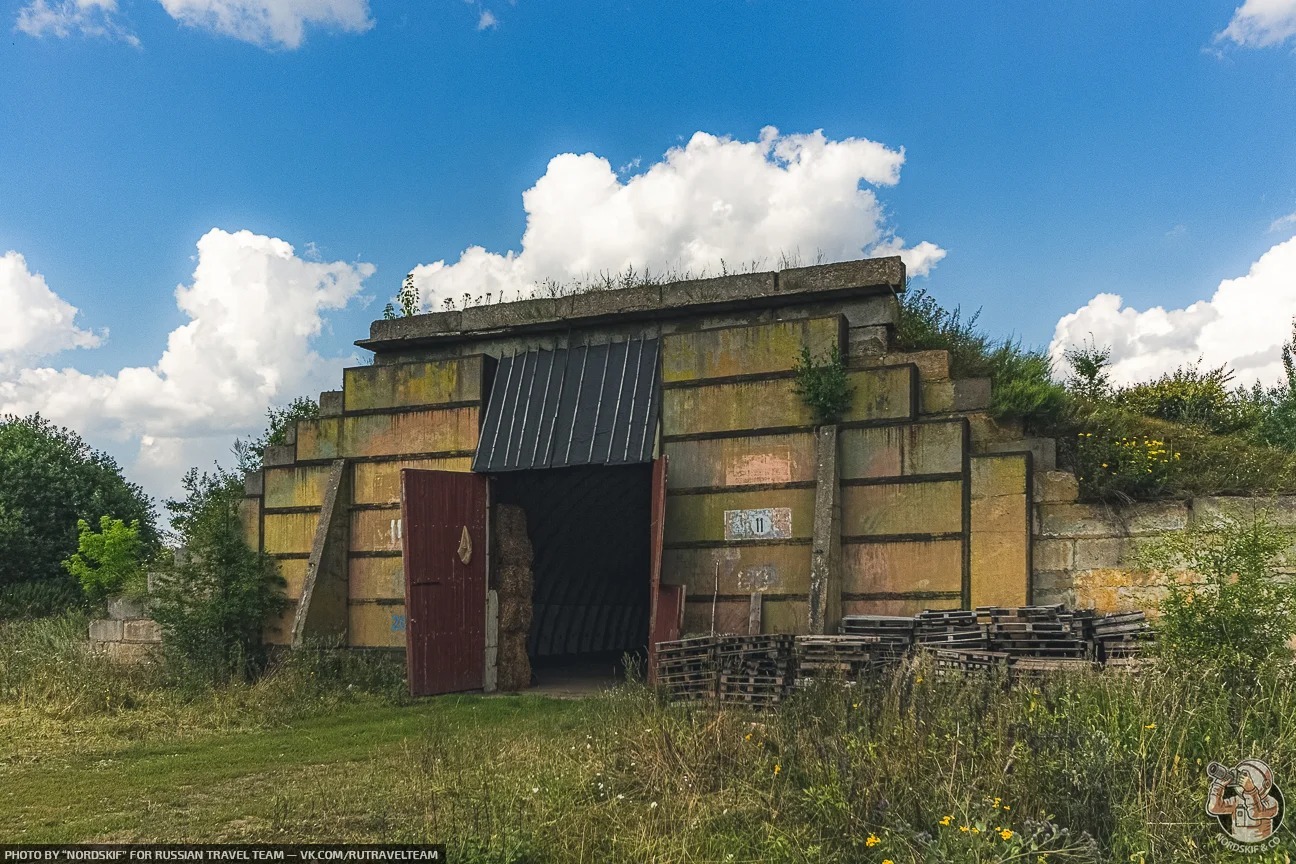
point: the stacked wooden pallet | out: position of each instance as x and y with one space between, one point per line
963 661
895 633
755 670
951 628
1041 632
1120 639
686 668
844 658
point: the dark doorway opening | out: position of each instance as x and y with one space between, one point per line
590 538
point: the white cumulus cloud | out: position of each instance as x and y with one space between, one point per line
713 199
1261 23
34 321
64 18
271 23
254 308
1244 325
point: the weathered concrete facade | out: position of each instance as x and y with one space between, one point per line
917 499
1087 555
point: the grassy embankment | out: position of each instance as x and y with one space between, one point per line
1092 767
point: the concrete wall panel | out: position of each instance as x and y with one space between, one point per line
293 570
903 508
691 518
249 511
379 482
753 350
289 532
742 569
897 606
871 452
376 530
731 616
741 461
412 384
1000 543
376 625
376 579
894 568
412 432
934 448
295 486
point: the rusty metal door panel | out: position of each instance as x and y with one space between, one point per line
657 623
443 535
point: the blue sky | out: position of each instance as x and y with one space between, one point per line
1055 152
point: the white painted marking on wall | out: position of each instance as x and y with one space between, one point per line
763 524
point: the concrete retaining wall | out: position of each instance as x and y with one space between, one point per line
127 635
1087 555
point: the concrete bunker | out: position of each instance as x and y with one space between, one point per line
663 472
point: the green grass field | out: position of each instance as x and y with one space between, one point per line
911 769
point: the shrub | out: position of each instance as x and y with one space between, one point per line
1229 605
1021 379
109 561
215 595
823 385
49 479
1191 396
1123 468
39 598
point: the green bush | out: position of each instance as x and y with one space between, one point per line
1123 468
1231 606
1021 379
1192 397
39 598
215 594
49 479
109 561
823 385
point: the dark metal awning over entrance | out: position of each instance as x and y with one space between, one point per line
592 405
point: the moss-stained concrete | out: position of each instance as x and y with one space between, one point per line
701 517
376 625
297 486
741 569
289 532
412 432
896 567
898 605
376 530
762 348
763 459
379 482
903 508
408 385
1000 551
377 579
293 570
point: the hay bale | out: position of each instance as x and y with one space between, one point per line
512 545
515 614
514 666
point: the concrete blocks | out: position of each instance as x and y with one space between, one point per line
1280 510
741 569
409 433
295 486
289 532
1077 520
932 365
410 385
379 482
125 608
902 508
129 653
282 455
1095 553
1054 555
1000 521
756 460
937 397
1042 450
899 567
1056 487
867 344
330 403
141 630
757 349
934 448
376 579
721 289
972 394
253 483
880 272
106 630
882 394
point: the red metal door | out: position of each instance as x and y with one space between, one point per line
667 601
443 530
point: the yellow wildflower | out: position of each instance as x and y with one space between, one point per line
963 828
947 820
777 769
872 840
1150 726
1005 833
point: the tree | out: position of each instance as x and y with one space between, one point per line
279 421
214 597
108 561
50 479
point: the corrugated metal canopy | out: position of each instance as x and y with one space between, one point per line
592 405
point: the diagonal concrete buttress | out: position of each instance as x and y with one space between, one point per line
825 556
322 609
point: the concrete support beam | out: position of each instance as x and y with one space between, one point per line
825 560
322 609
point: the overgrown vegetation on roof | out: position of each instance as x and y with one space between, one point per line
1189 432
